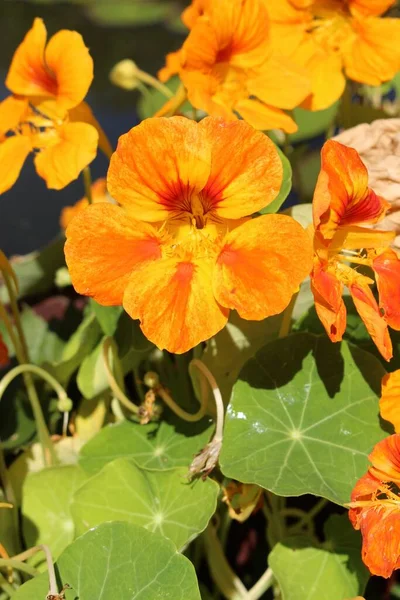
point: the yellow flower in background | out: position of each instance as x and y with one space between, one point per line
228 69
46 114
335 39
99 194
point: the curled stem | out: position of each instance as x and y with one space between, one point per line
19 558
116 383
87 182
180 412
219 404
153 82
28 368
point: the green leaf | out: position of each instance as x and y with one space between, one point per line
312 123
124 14
120 561
155 446
92 379
46 503
36 271
332 571
161 501
285 187
79 345
303 418
43 344
107 316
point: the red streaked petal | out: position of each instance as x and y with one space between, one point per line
331 310
385 459
175 303
342 196
387 270
375 323
255 272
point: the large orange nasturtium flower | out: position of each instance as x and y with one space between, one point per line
180 250
336 38
46 114
342 204
227 67
375 508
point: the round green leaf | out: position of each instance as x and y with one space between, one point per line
46 503
304 417
161 501
332 571
155 446
120 560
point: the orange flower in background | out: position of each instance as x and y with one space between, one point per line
194 11
180 250
4 358
46 115
389 403
375 508
228 70
342 202
334 39
99 194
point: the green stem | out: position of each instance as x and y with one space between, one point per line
263 584
116 383
53 588
87 182
10 330
27 368
286 324
155 83
7 587
309 517
19 566
12 293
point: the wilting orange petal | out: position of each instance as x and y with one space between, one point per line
387 271
372 58
175 303
263 117
4 358
280 83
342 196
389 404
99 194
103 246
246 171
62 162
261 265
159 165
331 310
376 325
385 459
11 113
13 152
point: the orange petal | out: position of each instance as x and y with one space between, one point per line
385 459
342 196
27 75
246 171
327 78
372 58
99 194
12 111
158 166
375 323
389 404
13 153
175 303
67 56
83 114
280 83
173 63
62 162
261 265
103 246
387 271
370 8
263 117
331 310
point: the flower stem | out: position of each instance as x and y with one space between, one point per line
116 383
18 565
87 182
263 584
16 562
154 83
219 404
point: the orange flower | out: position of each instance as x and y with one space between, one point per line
375 508
47 115
227 67
4 358
194 11
99 194
389 403
181 250
342 202
334 38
